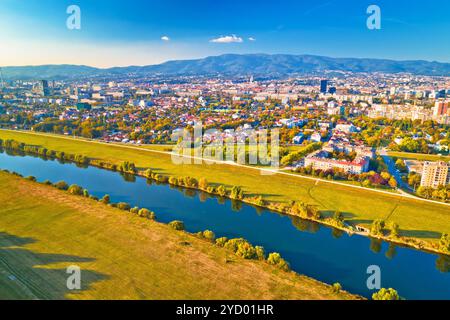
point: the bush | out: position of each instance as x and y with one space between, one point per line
203 184
336 287
31 178
47 182
123 206
86 193
75 190
241 248
386 294
61 185
177 225
260 253
134 210
106 199
209 235
237 193
444 243
220 242
221 191
377 228
275 259
145 213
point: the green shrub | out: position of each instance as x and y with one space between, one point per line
61 185
177 225
220 242
106 199
123 206
209 235
75 190
386 294
275 259
145 213
260 253
134 210
336 287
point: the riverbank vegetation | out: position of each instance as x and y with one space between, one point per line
125 256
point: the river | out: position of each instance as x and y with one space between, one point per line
317 251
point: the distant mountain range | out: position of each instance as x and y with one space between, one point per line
236 65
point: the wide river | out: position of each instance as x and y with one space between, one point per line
316 251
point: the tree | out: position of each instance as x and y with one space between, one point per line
275 259
75 190
377 228
386 294
220 242
237 193
336 287
394 230
444 243
221 191
145 213
338 217
203 184
260 253
177 225
123 206
61 185
209 235
392 182
106 199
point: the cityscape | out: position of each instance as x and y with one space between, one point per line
236 175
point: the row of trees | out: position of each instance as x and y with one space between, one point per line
380 227
14 145
441 193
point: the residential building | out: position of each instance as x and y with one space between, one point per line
435 174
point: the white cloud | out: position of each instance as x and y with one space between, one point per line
165 38
251 39
228 39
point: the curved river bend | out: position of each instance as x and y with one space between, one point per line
316 251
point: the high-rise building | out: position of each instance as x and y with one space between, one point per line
435 174
42 88
323 86
440 108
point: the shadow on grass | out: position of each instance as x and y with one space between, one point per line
25 274
421 234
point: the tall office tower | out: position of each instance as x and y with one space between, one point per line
440 108
435 174
42 88
323 86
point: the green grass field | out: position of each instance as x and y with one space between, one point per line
416 218
44 230
418 156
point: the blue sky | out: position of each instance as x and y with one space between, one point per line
118 33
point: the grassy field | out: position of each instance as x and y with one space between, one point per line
416 218
44 230
418 156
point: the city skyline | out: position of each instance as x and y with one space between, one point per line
113 34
